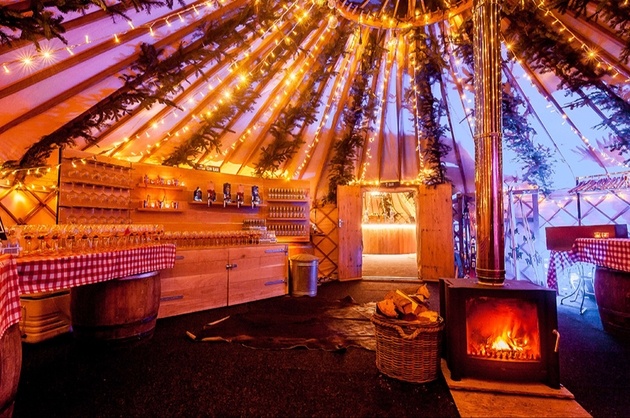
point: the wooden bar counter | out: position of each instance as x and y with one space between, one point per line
387 238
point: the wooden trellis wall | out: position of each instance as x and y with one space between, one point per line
326 239
533 213
31 202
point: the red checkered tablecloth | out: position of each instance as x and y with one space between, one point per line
613 253
10 309
50 274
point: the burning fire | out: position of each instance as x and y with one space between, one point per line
502 329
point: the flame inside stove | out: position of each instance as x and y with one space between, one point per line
502 329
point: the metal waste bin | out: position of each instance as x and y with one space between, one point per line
303 275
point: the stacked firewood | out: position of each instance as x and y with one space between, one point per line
408 307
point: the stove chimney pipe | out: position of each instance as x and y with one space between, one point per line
490 268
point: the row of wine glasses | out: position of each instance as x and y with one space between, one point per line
58 240
97 172
202 239
75 194
94 216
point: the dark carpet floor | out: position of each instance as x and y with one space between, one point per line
170 375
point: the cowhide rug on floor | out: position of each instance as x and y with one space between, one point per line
296 322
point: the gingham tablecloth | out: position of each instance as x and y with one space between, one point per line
10 309
613 253
51 274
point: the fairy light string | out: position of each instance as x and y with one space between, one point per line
221 83
47 55
215 87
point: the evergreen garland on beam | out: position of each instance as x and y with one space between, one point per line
358 115
429 64
286 142
517 135
208 138
534 159
150 81
613 13
547 51
38 19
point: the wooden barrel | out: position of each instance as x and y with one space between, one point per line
10 366
612 292
116 311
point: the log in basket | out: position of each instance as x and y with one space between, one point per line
406 350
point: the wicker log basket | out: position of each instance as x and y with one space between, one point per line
408 351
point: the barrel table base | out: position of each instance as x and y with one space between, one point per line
612 293
10 366
116 311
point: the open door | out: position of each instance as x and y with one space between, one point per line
349 207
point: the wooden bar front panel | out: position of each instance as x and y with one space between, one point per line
197 282
261 272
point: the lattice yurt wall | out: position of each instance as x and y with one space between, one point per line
601 202
31 198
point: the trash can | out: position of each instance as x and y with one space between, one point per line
303 275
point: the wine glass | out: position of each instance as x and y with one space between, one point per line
28 231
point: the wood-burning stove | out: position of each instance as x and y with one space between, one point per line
507 333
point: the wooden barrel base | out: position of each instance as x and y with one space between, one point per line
10 367
116 311
612 293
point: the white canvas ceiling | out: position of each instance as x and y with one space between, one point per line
46 90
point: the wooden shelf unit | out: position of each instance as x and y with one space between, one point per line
288 214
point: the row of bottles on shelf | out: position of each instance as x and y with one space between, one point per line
288 194
282 230
239 197
164 204
253 224
161 181
287 212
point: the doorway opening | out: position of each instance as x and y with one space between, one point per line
389 235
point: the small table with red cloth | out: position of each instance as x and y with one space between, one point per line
613 253
10 340
44 274
10 309
611 283
31 275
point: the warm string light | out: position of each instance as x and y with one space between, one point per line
556 107
219 83
592 54
381 20
383 83
414 86
293 77
48 55
332 100
32 171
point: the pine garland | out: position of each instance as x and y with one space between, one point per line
517 135
208 137
547 51
358 114
151 80
429 64
38 20
286 142
613 13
